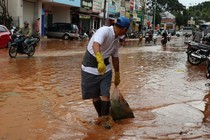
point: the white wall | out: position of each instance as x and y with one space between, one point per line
61 14
15 8
22 10
29 12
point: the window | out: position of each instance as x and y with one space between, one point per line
187 28
2 29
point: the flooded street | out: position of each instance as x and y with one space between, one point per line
40 97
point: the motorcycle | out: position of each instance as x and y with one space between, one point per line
140 37
83 36
13 31
147 38
169 36
164 41
133 35
154 38
18 46
197 52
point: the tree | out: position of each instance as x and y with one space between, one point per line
179 19
5 18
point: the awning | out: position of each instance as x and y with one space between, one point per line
83 16
112 18
93 15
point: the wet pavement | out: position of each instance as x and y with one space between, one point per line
40 97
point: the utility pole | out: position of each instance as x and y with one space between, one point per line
104 17
154 14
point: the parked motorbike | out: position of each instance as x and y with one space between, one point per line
92 32
132 35
83 36
18 46
197 52
13 31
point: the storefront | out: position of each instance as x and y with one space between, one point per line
24 10
57 11
96 10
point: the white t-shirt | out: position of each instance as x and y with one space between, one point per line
105 36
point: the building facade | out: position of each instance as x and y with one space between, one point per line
168 21
24 10
85 14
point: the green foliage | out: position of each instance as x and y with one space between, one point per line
6 21
174 7
5 18
198 12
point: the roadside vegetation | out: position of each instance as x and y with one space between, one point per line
200 12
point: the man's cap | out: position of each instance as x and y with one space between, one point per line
123 22
26 22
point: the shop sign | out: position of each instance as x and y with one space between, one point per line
122 3
134 14
111 9
86 5
97 6
168 20
140 15
131 5
122 11
127 5
84 16
69 2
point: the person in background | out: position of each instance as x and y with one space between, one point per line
207 39
198 36
92 31
96 73
76 30
37 26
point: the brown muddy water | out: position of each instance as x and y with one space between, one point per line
40 97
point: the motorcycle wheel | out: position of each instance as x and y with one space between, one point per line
13 51
193 60
31 51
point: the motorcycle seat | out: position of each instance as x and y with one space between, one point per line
204 46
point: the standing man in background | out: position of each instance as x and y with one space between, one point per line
37 26
198 36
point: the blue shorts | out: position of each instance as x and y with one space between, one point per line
94 86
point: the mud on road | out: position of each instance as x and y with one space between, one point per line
40 97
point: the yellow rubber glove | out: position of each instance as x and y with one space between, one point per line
117 78
101 65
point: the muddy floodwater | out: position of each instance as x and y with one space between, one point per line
40 97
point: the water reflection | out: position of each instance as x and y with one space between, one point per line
56 45
44 92
206 112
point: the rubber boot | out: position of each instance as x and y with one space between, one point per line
105 105
97 106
